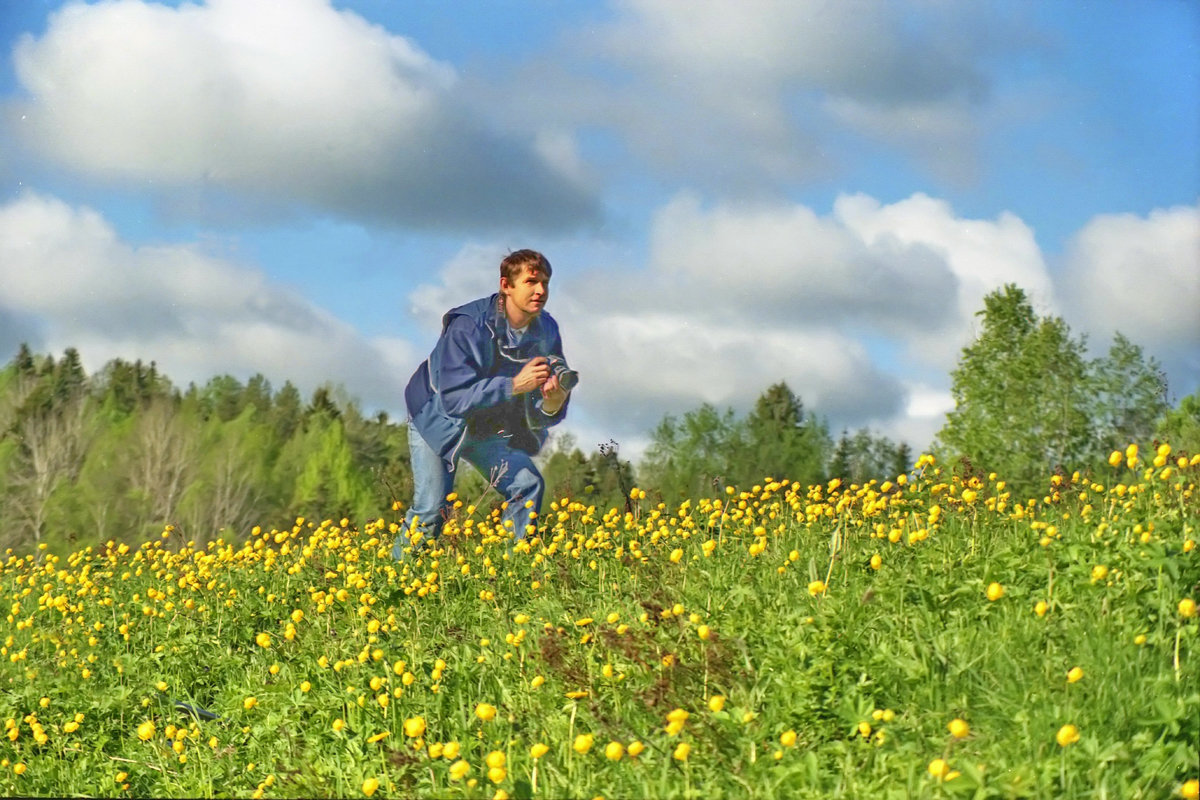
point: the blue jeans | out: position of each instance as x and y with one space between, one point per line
512 471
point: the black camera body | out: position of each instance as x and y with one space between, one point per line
568 378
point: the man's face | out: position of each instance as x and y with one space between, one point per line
527 295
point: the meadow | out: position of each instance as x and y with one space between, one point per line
925 636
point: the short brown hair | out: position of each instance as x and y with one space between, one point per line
514 263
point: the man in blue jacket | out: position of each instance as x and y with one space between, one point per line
487 394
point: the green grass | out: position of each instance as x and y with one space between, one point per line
903 648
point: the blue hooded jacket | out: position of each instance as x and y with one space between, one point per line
466 384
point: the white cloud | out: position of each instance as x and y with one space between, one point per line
65 271
1140 276
982 255
288 102
751 97
734 298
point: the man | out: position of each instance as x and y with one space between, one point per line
487 394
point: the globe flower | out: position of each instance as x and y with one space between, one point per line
788 738
459 770
583 743
370 786
1074 675
716 703
538 750
1187 608
263 640
938 768
682 751
994 591
613 751
1067 735
485 711
414 727
145 731
959 728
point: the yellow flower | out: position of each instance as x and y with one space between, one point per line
703 632
716 703
938 768
485 711
414 727
994 591
450 750
635 749
816 587
339 724
19 768
496 758
1074 675
538 750
459 770
583 742
263 640
959 728
249 703
1099 572
1040 608
788 738
613 751
1187 608
71 726
305 686
682 751
537 681
370 786
1067 734
1190 790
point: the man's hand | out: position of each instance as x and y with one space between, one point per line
553 396
534 374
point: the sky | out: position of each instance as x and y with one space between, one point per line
731 194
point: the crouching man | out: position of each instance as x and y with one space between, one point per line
487 393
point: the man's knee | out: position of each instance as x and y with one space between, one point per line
527 484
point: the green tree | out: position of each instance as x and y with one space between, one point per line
1130 394
1028 401
782 441
1180 427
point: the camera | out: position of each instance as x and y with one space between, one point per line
567 377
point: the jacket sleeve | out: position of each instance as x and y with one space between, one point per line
462 378
534 415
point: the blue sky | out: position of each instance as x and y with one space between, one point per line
731 195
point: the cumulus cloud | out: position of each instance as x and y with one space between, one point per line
753 96
733 298
1140 276
197 316
284 102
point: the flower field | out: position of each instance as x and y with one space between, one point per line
924 636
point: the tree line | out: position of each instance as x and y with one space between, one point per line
122 453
